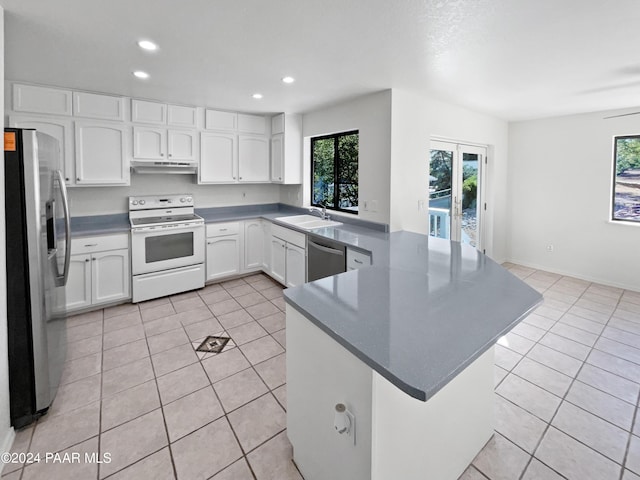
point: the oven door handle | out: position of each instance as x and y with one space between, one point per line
143 230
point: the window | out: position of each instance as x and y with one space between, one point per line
626 181
334 171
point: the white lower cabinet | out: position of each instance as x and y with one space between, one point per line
356 259
99 271
253 249
295 265
223 250
278 259
78 291
288 256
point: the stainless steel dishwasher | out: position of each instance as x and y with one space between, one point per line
324 258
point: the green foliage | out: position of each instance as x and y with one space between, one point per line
469 191
627 154
440 169
324 152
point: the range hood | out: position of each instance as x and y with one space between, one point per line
164 166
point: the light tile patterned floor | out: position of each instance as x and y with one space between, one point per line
135 387
567 385
567 388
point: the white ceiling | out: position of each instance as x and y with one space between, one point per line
515 59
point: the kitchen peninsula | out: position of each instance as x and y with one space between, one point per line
407 346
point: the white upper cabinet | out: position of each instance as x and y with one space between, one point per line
254 124
100 154
160 144
286 149
277 158
92 105
277 124
179 116
59 128
253 158
218 158
143 111
181 145
219 120
34 99
149 143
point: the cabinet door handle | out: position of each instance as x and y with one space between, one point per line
94 259
78 179
240 178
91 245
66 179
359 262
223 229
86 260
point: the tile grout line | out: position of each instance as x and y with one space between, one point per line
547 424
574 379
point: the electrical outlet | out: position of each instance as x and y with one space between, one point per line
549 247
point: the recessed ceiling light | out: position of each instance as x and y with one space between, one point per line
141 74
147 45
288 79
257 96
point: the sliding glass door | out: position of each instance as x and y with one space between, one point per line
455 192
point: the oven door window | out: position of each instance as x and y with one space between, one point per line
168 247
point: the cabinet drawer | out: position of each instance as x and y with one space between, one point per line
99 243
357 259
288 235
221 229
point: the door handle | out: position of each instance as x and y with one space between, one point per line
61 280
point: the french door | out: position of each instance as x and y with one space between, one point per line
456 190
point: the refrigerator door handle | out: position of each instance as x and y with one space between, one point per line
61 280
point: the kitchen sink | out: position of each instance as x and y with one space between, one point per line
307 222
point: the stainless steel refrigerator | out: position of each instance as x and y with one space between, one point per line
38 247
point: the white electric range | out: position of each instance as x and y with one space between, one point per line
167 246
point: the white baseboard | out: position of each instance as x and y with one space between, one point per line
587 278
7 443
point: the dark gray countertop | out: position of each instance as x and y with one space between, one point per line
424 312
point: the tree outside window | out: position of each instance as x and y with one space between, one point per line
334 171
626 181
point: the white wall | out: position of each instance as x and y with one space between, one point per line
371 116
415 120
560 190
6 431
106 200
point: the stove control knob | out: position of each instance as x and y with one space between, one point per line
189 199
182 200
142 202
134 202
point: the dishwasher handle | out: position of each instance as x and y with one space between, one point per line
330 250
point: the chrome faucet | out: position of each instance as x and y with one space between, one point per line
322 213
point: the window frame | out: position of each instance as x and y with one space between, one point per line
614 176
336 169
